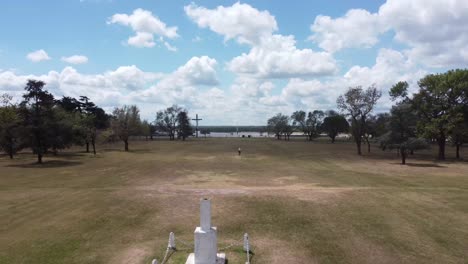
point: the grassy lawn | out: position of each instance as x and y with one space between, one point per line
300 202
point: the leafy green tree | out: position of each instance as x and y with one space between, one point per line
309 125
37 112
280 125
375 126
126 122
10 126
459 134
334 124
402 132
88 120
166 120
358 104
184 129
145 129
439 103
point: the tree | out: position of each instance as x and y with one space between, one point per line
334 124
184 129
37 112
391 141
459 134
152 130
10 125
89 120
126 122
375 126
145 129
279 125
358 104
402 131
166 120
439 103
205 131
310 126
96 121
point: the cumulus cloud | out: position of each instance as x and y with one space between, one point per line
278 57
75 59
38 55
357 28
240 21
390 67
271 55
141 40
181 85
145 25
106 89
434 31
194 85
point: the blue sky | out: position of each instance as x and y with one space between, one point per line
232 62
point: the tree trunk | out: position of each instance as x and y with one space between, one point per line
333 139
403 156
151 137
39 157
368 146
358 145
87 146
441 142
126 145
458 151
93 142
411 152
11 154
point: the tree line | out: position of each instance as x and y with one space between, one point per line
436 113
46 124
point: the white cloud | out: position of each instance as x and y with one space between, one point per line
271 55
75 59
390 67
240 21
357 28
194 85
142 40
38 55
169 47
145 26
181 85
434 31
278 57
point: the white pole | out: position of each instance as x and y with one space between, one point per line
171 244
247 247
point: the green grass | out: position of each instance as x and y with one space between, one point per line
300 202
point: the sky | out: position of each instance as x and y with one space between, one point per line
232 62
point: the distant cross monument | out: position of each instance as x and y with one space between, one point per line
206 249
196 119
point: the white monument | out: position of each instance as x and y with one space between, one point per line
206 249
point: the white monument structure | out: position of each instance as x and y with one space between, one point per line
206 248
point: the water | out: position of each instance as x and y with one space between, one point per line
235 134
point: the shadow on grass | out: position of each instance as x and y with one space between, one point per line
420 165
47 164
144 151
425 165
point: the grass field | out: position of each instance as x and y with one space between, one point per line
300 202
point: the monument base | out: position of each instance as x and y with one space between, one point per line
220 259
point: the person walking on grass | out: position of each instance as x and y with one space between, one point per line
239 151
